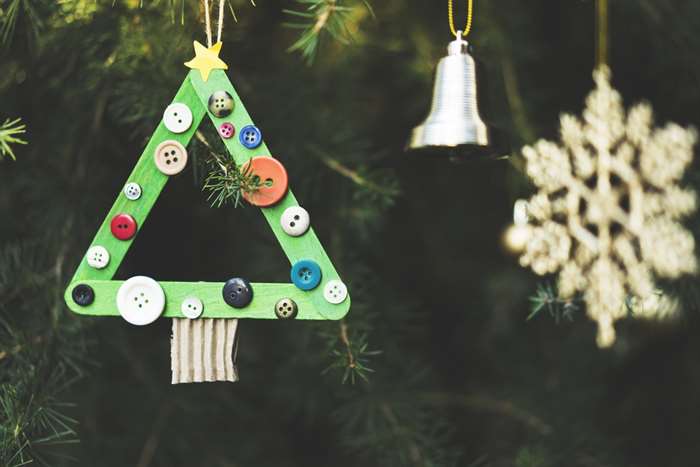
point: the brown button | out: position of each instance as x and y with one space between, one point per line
170 157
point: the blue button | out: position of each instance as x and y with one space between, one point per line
250 136
306 274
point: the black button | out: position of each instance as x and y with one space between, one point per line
286 308
83 294
237 292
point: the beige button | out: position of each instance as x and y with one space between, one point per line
170 157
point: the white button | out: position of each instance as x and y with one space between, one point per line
140 300
132 191
97 257
335 292
295 221
177 118
192 307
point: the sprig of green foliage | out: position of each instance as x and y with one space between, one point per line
546 298
352 356
10 13
42 354
226 182
317 17
9 132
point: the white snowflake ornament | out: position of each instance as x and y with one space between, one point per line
606 213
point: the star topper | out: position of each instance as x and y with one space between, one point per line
206 59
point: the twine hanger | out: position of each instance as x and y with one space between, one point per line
207 21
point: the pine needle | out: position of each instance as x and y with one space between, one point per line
317 18
9 132
226 183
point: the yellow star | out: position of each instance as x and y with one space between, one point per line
206 59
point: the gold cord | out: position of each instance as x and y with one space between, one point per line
450 16
601 55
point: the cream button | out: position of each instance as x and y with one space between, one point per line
177 118
335 292
140 300
170 157
192 307
97 257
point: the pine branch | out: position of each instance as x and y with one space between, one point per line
486 403
353 357
42 354
318 18
389 426
226 183
9 132
333 164
10 13
546 298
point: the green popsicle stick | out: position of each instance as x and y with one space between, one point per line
194 92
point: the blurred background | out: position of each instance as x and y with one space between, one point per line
447 369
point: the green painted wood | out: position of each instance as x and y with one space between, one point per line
306 246
195 94
152 182
265 296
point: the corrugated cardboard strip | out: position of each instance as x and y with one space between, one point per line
204 350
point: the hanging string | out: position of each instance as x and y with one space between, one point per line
207 21
601 24
450 16
221 21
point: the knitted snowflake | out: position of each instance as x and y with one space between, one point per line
606 213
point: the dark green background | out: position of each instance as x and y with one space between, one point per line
463 378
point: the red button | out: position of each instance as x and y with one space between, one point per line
123 226
271 177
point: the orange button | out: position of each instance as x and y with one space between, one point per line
272 178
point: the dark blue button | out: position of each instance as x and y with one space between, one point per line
83 294
250 136
237 292
306 274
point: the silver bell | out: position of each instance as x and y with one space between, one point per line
454 119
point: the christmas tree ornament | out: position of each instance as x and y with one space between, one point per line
205 314
608 204
454 122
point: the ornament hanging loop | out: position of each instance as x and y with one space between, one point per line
450 17
207 22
